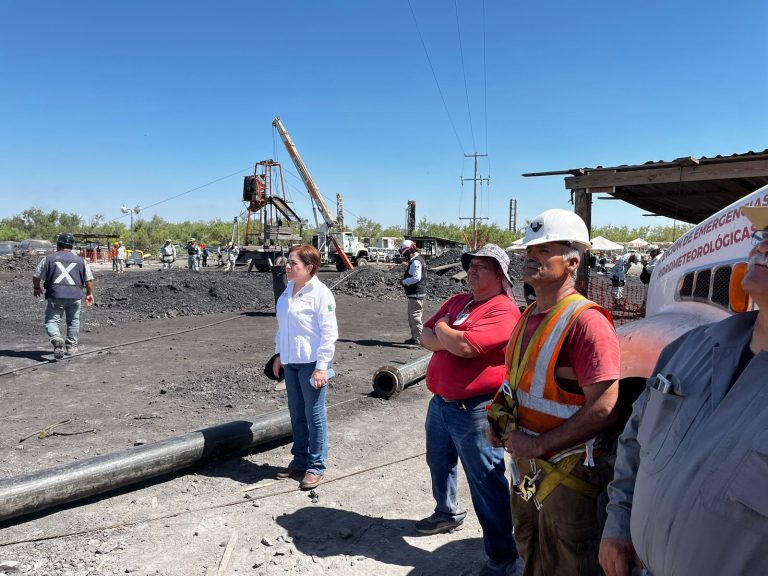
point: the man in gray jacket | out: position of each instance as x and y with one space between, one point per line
688 495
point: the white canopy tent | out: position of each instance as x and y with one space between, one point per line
605 245
637 243
516 245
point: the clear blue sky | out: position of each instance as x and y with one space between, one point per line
106 103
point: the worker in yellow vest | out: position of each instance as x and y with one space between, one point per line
559 394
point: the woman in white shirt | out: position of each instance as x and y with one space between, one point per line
305 343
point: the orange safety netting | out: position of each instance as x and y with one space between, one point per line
626 305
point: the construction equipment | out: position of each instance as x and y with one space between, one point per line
272 226
334 248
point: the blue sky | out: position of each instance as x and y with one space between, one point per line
111 103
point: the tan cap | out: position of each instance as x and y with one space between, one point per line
758 215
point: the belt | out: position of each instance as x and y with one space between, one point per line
470 403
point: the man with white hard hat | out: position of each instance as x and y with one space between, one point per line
688 495
559 394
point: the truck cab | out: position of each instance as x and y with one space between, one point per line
697 281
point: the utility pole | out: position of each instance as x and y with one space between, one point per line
513 214
340 212
474 180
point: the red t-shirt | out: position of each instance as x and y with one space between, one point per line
487 327
591 349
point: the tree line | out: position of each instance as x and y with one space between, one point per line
151 233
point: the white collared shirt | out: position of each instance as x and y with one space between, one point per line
306 325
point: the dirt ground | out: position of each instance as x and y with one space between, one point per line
165 353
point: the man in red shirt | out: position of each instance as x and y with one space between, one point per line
562 375
467 336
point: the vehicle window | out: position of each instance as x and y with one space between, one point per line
701 289
720 286
686 289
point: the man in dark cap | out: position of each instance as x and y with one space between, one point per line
64 275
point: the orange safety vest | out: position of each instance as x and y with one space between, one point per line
114 252
543 405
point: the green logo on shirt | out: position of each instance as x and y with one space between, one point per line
330 308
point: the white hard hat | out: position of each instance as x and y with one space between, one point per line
556 225
406 245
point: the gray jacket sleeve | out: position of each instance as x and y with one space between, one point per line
622 488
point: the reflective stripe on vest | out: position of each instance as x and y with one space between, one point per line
543 404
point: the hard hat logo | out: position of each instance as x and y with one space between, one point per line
557 225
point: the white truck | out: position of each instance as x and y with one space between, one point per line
697 281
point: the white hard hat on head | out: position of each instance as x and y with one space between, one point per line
557 225
406 245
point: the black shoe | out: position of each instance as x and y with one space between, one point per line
411 341
437 524
58 348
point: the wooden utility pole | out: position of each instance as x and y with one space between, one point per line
582 205
513 214
474 180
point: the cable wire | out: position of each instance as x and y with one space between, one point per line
464 74
434 75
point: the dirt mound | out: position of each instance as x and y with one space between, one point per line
19 263
375 282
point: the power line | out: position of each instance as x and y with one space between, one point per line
464 74
434 75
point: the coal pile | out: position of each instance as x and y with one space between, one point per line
136 296
23 263
448 257
181 292
374 282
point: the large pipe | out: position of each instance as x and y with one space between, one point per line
40 490
390 380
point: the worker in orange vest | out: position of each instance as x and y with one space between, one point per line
559 394
114 257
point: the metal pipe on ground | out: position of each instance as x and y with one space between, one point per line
62 484
389 381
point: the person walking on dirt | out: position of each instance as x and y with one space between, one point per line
415 283
221 252
688 493
205 257
121 254
467 336
64 275
193 250
304 347
559 393
168 255
232 254
618 276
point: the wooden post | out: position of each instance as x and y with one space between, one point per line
583 207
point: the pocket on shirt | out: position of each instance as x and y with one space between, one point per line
665 421
745 496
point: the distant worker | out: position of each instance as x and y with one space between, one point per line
221 252
688 493
618 275
192 252
467 337
558 396
232 254
602 261
415 283
168 255
655 255
113 254
205 257
64 275
121 255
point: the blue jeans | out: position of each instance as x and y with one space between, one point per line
306 405
58 307
453 434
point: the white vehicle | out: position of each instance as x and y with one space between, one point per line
697 281
357 252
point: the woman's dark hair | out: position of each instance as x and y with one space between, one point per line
308 255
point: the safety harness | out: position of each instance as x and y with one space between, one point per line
503 413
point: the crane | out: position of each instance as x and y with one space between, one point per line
323 232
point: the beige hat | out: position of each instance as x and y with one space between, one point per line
758 215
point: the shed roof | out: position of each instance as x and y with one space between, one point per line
688 189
